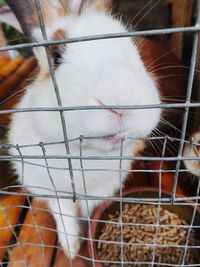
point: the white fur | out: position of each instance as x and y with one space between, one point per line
75 5
105 71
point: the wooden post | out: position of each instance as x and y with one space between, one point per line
181 17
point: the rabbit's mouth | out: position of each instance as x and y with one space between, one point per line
119 137
108 141
114 139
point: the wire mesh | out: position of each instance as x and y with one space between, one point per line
157 197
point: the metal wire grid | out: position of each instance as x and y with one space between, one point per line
159 201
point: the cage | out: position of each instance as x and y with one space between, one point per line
153 218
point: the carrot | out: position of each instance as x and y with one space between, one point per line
10 67
9 216
32 255
3 61
12 92
7 86
25 68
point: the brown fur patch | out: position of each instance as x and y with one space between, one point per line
78 210
58 35
49 12
104 5
196 165
140 145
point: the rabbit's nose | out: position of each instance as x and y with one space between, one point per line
117 113
97 101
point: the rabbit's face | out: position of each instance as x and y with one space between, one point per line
101 72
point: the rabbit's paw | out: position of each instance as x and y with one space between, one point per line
70 245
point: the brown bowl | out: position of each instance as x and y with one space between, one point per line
101 213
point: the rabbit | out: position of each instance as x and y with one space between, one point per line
192 149
102 72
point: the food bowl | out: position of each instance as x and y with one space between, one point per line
182 211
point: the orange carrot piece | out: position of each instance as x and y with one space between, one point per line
36 239
10 67
7 86
10 210
14 87
4 61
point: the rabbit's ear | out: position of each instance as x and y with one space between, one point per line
53 12
27 14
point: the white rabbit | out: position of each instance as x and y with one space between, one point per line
102 72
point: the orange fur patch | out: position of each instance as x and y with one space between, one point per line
140 145
104 5
60 34
49 13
